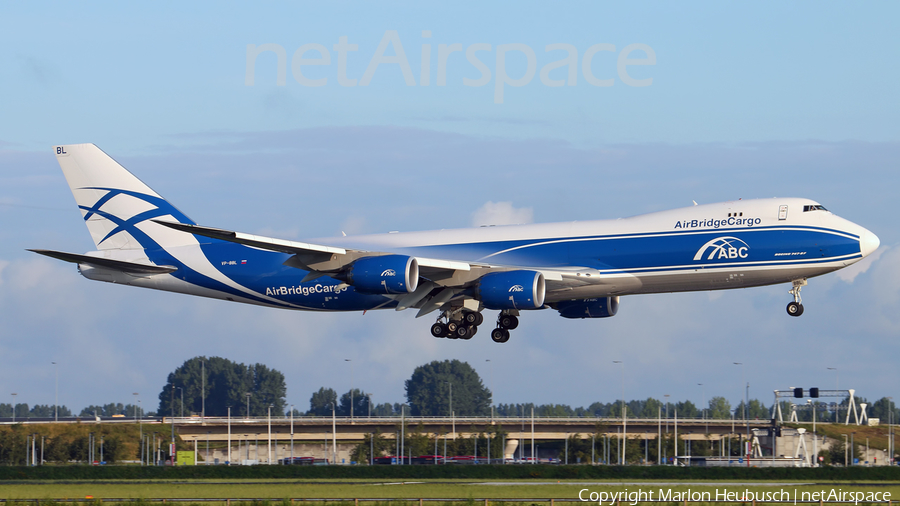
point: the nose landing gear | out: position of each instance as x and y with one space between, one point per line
796 308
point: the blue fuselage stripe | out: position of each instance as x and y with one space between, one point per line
776 248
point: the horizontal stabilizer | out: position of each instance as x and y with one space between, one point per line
119 265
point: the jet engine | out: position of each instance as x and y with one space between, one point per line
388 274
603 307
511 290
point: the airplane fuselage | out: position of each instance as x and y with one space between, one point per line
578 268
708 247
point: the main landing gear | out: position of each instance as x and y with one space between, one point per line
463 324
796 308
505 323
458 324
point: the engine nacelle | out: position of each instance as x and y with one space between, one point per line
512 290
386 274
603 307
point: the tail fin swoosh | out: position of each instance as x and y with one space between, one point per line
117 207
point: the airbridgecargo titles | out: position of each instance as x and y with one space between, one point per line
305 290
580 269
711 223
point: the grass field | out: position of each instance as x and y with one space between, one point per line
350 489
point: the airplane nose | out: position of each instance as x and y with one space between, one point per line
868 243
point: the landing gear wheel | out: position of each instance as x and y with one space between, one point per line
508 322
471 318
499 335
451 327
439 330
479 319
462 332
795 309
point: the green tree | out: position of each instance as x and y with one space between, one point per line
362 452
757 410
223 383
383 409
686 409
835 454
428 390
360 402
21 410
719 408
553 410
884 409
320 403
652 408
47 411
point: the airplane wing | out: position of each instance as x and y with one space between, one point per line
444 280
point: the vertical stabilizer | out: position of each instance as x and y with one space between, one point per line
117 207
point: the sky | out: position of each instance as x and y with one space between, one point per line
306 120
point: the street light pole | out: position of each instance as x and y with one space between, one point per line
56 402
491 371
452 419
837 407
351 387
182 401
202 389
269 440
703 405
14 406
890 461
815 438
140 424
248 405
746 401
333 435
624 419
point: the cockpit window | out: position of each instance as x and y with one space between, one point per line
807 209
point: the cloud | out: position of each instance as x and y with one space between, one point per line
354 225
501 213
850 273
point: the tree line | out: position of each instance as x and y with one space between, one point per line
37 411
212 385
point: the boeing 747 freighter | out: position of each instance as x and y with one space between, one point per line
580 268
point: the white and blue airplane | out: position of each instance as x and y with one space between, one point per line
579 269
